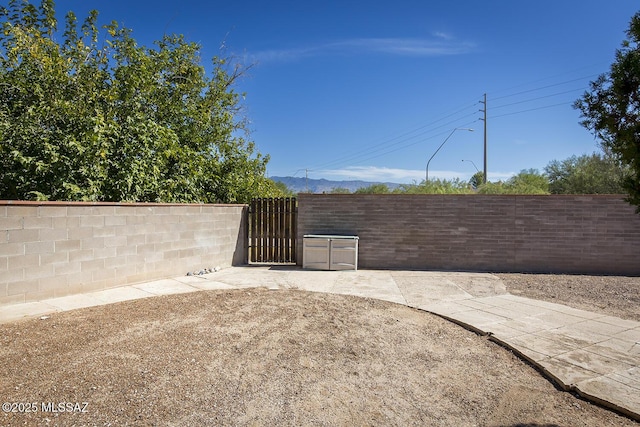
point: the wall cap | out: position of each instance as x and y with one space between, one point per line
133 204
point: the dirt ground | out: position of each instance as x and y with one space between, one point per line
613 295
261 357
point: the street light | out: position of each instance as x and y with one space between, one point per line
452 132
474 165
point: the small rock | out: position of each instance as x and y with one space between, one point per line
44 317
189 274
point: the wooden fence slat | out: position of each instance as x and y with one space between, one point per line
269 236
276 230
261 230
294 230
276 213
282 241
271 214
252 227
286 230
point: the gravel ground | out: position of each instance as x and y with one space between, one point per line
260 357
614 295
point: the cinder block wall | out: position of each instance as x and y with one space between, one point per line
55 249
572 234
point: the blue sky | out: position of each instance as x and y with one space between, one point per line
369 90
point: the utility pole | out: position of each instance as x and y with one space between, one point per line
484 110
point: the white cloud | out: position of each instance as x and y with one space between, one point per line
402 176
443 45
281 55
443 35
500 176
372 173
408 47
375 173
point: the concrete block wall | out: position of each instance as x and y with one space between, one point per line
572 234
51 249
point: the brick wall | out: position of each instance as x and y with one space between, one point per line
572 234
55 249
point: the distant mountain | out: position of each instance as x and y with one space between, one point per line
301 185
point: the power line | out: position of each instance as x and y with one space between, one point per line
545 87
601 64
540 97
531 109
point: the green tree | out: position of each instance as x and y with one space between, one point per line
98 117
340 190
279 189
436 186
586 174
527 181
611 109
476 180
373 189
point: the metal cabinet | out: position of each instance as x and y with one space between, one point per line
329 252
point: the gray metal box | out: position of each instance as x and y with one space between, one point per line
330 252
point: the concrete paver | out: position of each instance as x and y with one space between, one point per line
548 344
628 349
610 392
29 309
125 293
595 355
73 302
165 287
565 374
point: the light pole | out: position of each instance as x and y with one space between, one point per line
474 165
452 132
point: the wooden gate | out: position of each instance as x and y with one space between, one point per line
272 230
